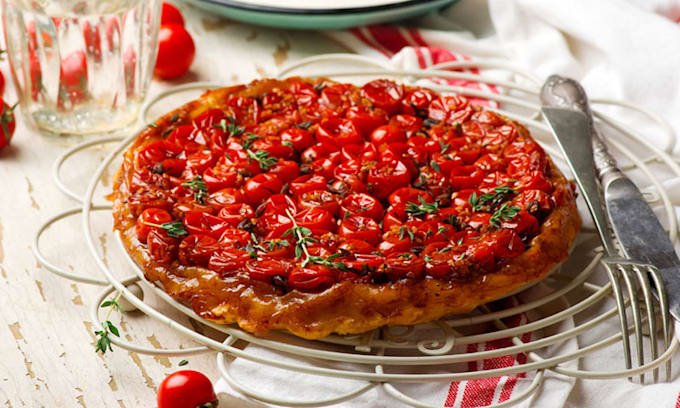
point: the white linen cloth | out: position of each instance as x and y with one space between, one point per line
626 50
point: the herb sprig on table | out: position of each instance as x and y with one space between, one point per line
108 328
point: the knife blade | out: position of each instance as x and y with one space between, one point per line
641 235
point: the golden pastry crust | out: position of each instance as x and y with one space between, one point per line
347 306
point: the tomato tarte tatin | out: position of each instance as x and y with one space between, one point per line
320 207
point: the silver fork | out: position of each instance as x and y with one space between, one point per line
588 159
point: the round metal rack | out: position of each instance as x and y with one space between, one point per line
570 305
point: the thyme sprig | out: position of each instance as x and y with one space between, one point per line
506 213
263 159
249 140
174 229
229 125
303 236
490 200
423 208
197 185
108 328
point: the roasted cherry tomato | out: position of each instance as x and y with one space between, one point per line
338 132
322 199
366 119
361 204
309 182
162 247
266 269
388 134
317 220
203 223
197 249
356 246
228 261
150 218
176 52
234 214
298 138
404 265
360 227
313 278
384 94
186 389
387 176
258 188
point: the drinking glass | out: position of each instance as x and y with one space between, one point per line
81 66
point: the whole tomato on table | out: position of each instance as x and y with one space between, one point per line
186 389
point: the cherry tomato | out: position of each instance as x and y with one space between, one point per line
312 278
186 389
196 249
277 204
266 269
352 184
366 119
405 265
407 195
360 227
150 216
162 247
361 204
258 188
384 94
274 225
7 124
309 182
235 237
73 82
322 199
225 196
338 132
396 244
171 15
367 151
387 176
233 214
356 246
203 223
317 151
388 134
228 261
300 139
2 84
317 220
417 101
176 52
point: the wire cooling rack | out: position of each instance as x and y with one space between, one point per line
570 315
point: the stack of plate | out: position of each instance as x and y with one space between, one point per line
319 14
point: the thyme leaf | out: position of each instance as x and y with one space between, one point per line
197 185
423 208
505 213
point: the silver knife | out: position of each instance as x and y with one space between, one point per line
636 227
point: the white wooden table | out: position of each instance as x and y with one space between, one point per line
47 355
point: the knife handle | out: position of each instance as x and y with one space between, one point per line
567 93
605 163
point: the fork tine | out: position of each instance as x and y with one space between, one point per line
635 309
651 318
665 315
620 305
